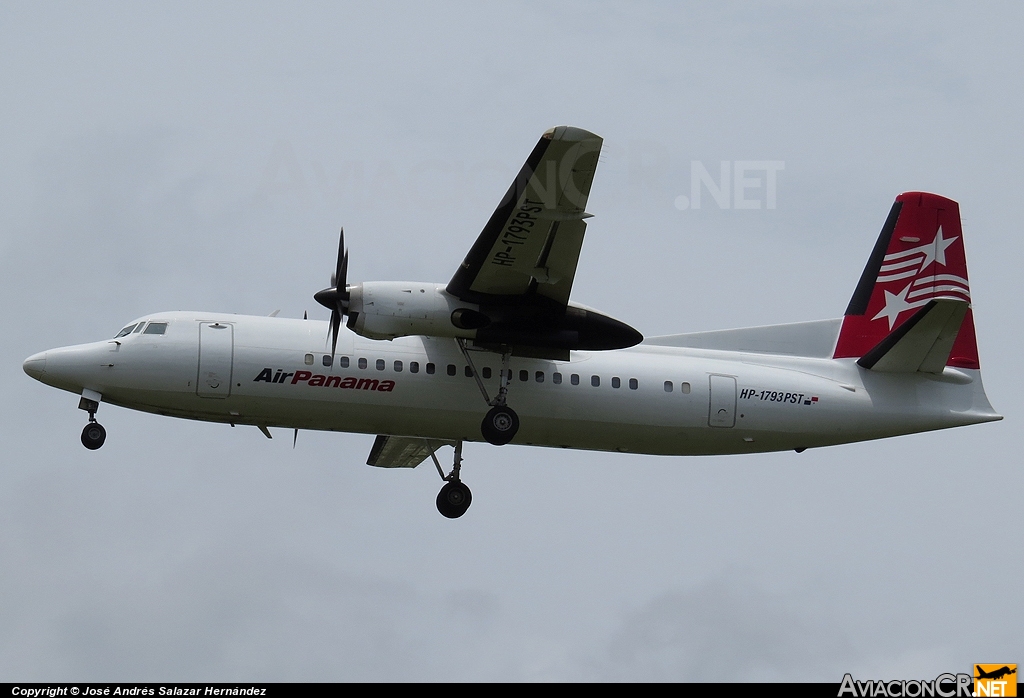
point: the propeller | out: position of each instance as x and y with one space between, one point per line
336 297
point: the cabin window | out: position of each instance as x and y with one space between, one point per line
398 367
308 359
362 363
328 359
556 378
414 367
344 362
668 386
156 328
452 370
684 388
430 369
127 330
469 372
595 381
539 376
487 371
524 375
616 382
380 364
574 379
633 384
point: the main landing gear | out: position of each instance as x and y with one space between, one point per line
94 434
501 422
454 498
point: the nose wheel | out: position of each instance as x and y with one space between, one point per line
93 435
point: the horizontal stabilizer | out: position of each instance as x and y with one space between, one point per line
403 451
814 339
922 343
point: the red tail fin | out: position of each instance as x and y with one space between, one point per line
919 256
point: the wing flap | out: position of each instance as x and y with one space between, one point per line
402 451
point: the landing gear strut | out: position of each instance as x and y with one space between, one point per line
454 498
501 422
94 434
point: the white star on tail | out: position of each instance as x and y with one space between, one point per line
896 303
936 252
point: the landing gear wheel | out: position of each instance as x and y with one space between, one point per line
93 436
453 500
500 425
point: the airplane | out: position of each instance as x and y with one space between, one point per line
995 674
426 365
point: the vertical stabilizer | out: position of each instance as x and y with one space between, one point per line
919 257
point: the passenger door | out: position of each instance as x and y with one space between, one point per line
216 346
722 403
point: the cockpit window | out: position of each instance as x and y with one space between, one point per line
139 328
126 330
156 328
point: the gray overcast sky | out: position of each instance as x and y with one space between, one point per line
161 156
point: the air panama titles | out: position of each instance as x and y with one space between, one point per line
268 375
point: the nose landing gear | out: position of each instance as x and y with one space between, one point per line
94 434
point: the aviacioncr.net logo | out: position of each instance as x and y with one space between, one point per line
995 680
943 686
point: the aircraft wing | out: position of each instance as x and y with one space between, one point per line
402 451
532 242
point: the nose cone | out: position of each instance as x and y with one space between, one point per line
35 365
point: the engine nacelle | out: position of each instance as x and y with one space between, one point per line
389 309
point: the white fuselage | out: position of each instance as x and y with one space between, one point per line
270 372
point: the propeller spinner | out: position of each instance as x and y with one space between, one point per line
337 296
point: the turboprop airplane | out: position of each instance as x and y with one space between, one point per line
426 365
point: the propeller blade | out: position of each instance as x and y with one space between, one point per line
341 272
335 326
342 285
337 296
